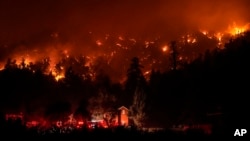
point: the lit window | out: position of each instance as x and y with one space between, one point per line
123 112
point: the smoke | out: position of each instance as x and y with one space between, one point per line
22 20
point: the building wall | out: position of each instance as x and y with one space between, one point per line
123 117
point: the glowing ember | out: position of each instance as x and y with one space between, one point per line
121 38
118 44
165 48
147 72
98 42
204 32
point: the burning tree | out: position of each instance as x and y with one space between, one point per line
10 64
137 109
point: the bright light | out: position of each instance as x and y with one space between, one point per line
165 48
1 68
93 120
118 44
147 72
59 77
122 122
204 32
194 40
121 38
219 36
80 122
98 42
235 29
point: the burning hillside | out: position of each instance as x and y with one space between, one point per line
76 61
109 52
109 33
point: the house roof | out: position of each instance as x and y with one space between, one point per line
122 107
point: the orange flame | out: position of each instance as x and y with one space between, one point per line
236 30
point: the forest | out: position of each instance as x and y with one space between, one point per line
215 82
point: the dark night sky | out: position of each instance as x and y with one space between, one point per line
32 21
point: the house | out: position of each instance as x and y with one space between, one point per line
123 116
120 118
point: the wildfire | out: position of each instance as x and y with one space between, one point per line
219 38
190 39
204 32
59 77
117 49
1 67
232 31
236 30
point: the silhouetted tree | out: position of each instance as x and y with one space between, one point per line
22 65
58 110
154 88
174 55
83 69
10 64
72 79
101 67
135 78
82 111
102 81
